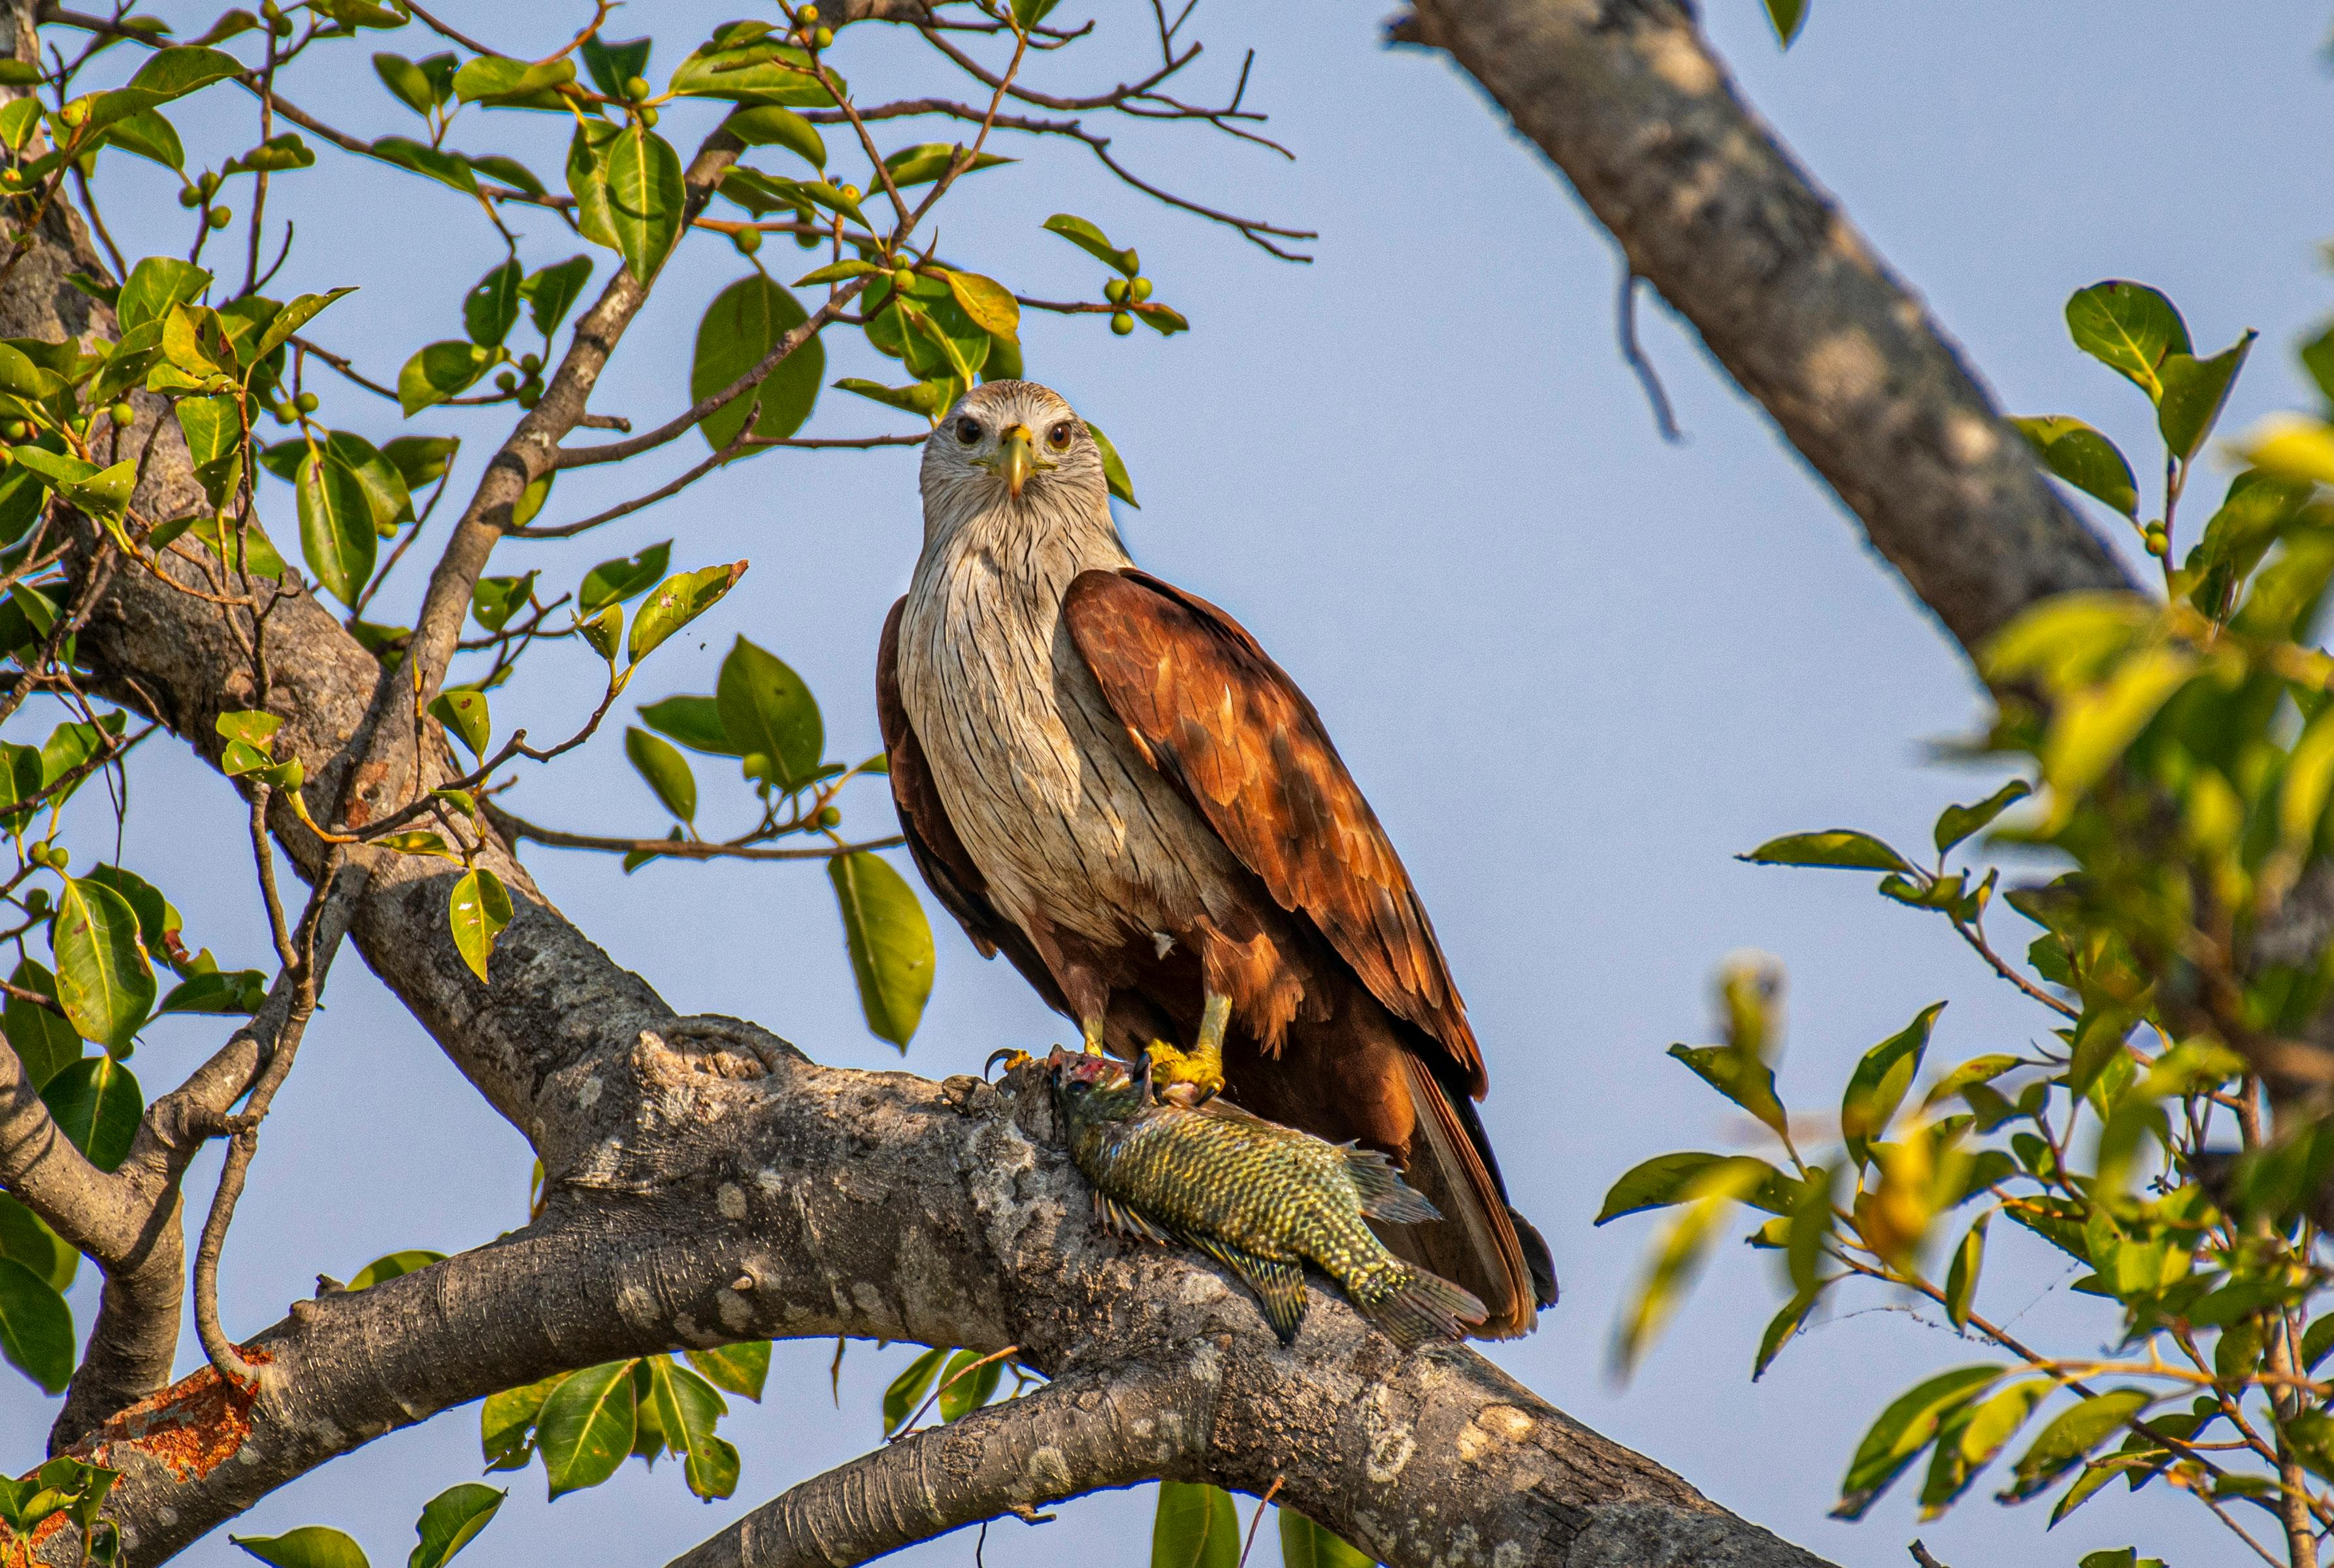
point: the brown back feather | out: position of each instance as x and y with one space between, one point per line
1218 719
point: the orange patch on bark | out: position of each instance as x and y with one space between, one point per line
190 1428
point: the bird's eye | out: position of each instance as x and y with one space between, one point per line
967 431
1058 438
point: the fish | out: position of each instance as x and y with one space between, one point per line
1262 1199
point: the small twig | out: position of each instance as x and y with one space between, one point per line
1625 323
1921 1556
1258 1518
515 828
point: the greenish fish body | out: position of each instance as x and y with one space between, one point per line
1262 1199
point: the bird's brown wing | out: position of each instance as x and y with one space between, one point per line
1219 719
932 841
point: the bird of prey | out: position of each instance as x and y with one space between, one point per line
1105 778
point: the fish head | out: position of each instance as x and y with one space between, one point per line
1090 1088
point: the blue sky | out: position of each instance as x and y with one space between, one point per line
1575 669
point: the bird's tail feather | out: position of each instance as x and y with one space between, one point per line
1476 1244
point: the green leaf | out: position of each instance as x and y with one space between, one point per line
25 1237
43 1040
927 162
587 179
1669 1178
889 941
104 982
304 309
1196 1527
1971 1437
666 771
96 1103
964 1391
1878 1084
645 199
1093 242
446 168
1164 319
405 82
742 1369
773 125
507 1423
612 64
1113 470
1745 1079
1905 1428
552 292
605 631
450 1520
1956 823
1961 1280
490 308
2195 392
159 921
2093 725
1678 1254
2129 328
756 71
906 1393
489 77
745 321
174 72
1779 1329
239 991
2073 1434
148 135
496 600
390 1266
337 537
438 371
1842 848
36 1331
387 502
213 427
478 911
2082 456
464 714
1028 14
678 600
309 1547
929 399
420 460
1305 1544
585 1429
694 721
1787 17
769 716
686 1407
614 581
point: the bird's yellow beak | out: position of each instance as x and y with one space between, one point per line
1016 459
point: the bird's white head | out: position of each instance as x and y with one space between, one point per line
1014 454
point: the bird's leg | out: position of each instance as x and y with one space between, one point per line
1195 1076
1090 1029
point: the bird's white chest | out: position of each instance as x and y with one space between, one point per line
1064 819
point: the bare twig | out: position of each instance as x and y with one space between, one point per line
515 828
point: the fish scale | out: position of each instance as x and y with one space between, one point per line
1263 1199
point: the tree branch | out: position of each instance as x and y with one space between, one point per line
1082 1433
1628 102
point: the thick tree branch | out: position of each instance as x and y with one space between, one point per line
1082 1433
1627 100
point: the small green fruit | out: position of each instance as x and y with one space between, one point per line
37 903
1139 289
1134 264
123 416
829 816
221 216
807 16
822 38
647 116
17 430
507 382
851 193
530 395
188 198
1114 290
904 279
209 182
747 240
75 112
307 402
636 88
806 240
1121 323
530 363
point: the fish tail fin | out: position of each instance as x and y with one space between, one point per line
1415 1308
1384 1193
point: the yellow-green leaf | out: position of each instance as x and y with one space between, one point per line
104 981
585 1429
889 941
478 911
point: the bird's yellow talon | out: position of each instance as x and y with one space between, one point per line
1184 1077
1014 1061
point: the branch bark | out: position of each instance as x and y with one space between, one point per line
1627 100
